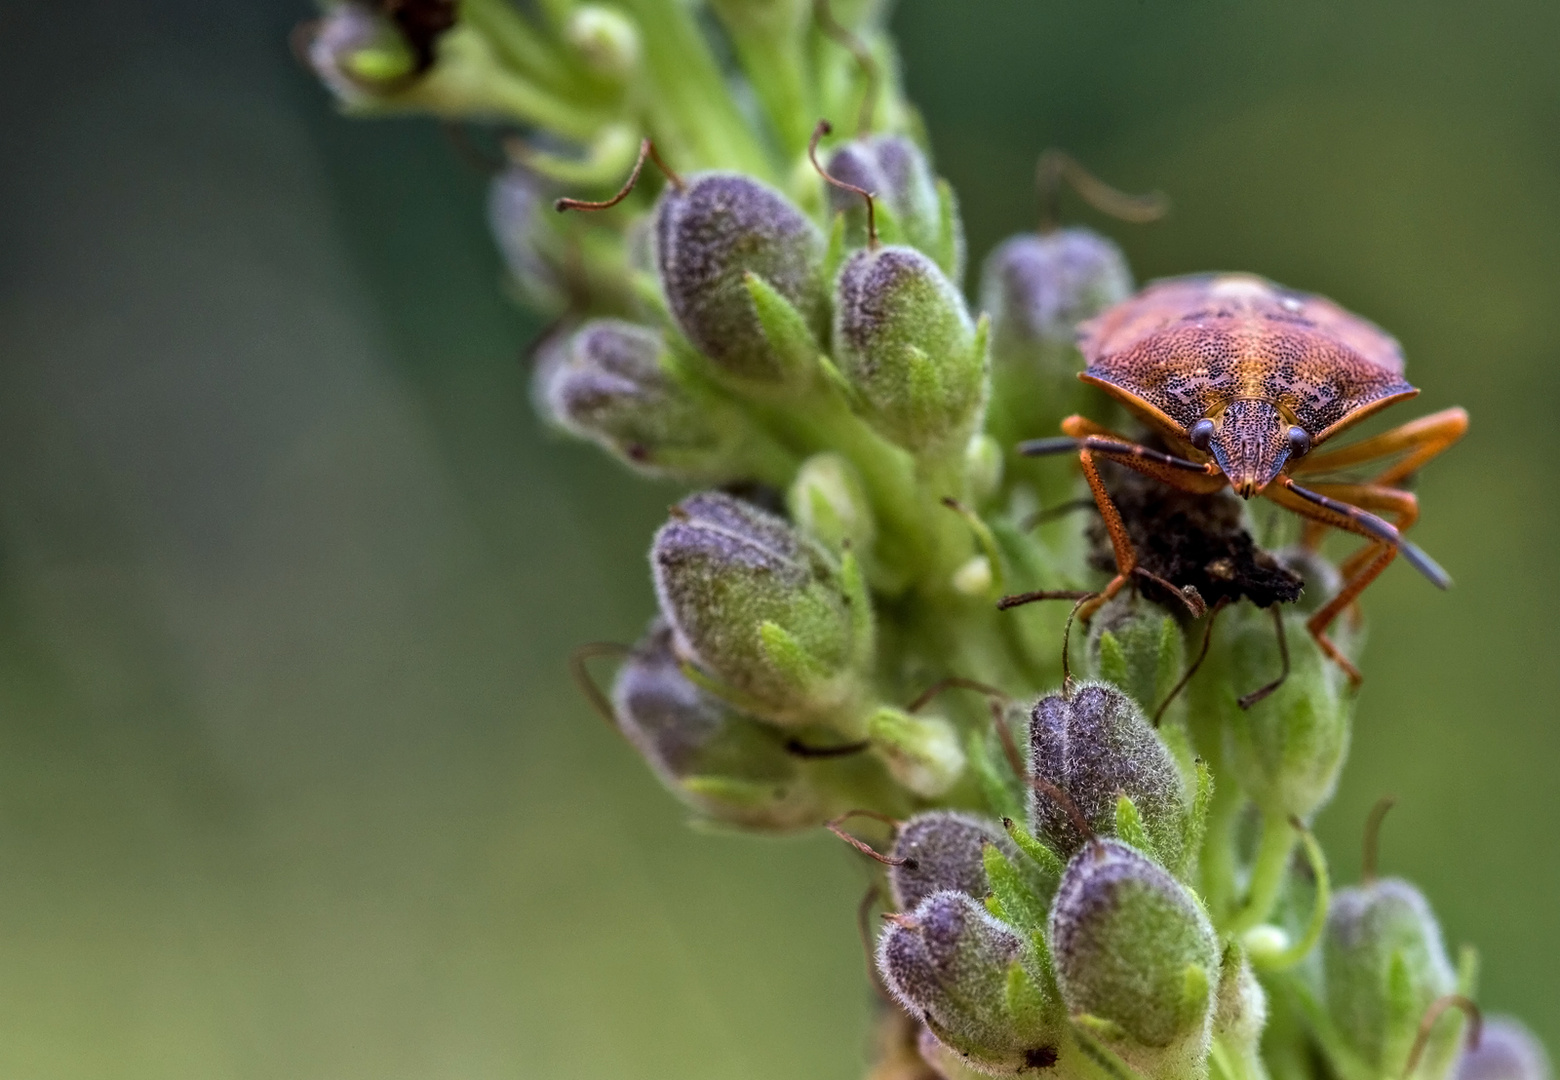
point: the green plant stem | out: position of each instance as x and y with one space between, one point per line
517 43
691 112
775 66
1268 871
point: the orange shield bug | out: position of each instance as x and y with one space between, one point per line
1245 380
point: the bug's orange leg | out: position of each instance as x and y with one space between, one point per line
1177 472
1385 500
1418 441
1387 543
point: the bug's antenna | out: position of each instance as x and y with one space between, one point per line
824 128
1067 642
579 660
646 150
836 827
857 48
1372 846
1283 651
1056 167
1202 655
1427 1025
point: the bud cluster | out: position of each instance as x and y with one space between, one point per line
1112 880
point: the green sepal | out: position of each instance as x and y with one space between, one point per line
1130 828
1195 989
1113 662
784 328
836 251
1049 862
1026 1003
1003 799
729 789
862 628
1196 826
1045 968
787 654
1091 1034
946 255
1023 908
889 230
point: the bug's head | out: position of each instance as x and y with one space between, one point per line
1251 441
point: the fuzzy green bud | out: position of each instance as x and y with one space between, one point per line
1383 963
765 612
606 39
921 752
741 271
722 764
613 382
904 341
828 502
968 976
1287 750
1135 955
1137 646
1507 1050
911 207
1096 746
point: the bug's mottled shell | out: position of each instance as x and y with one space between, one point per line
1186 348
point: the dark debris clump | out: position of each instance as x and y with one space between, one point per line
1187 539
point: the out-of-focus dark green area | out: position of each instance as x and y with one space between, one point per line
292 781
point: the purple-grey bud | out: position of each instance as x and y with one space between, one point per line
1095 745
1383 963
904 341
613 384
721 763
710 235
522 222
901 180
964 973
762 609
1507 1050
943 852
358 53
1132 947
1037 288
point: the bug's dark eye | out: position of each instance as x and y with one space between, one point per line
1299 442
1201 435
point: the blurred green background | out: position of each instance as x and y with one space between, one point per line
292 782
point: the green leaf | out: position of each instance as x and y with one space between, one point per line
947 254
1026 1004
787 654
1113 662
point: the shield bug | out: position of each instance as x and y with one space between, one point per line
1245 380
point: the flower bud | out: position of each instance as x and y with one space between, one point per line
1037 288
943 852
921 752
910 208
606 39
524 228
1507 1051
722 764
1383 963
904 341
1287 750
1096 746
829 504
612 384
965 974
713 238
358 53
1134 950
1136 646
762 610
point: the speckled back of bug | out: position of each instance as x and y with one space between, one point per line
1253 358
